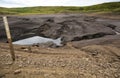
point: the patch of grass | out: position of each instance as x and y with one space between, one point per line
113 7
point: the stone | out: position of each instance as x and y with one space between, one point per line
17 71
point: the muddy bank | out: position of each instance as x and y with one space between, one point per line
71 27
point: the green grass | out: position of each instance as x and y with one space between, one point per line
113 7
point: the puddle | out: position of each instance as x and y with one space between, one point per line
38 39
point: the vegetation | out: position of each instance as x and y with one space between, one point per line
113 7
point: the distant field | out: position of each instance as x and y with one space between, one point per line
113 7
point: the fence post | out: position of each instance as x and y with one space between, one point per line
9 37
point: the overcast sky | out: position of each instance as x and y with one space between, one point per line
27 3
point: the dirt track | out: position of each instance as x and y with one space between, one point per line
94 55
93 61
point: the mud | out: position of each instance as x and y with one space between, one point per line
70 27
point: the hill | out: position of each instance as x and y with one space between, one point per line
112 7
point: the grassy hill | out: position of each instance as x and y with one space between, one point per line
112 7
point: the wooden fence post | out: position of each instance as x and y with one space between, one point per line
9 37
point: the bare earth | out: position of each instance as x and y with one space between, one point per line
84 57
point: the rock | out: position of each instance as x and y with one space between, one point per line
63 65
24 48
27 49
17 71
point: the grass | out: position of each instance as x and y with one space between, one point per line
113 7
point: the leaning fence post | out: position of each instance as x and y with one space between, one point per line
9 37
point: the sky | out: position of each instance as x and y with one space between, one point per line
29 3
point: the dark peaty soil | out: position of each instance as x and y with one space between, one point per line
71 27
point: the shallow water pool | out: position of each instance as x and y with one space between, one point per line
37 39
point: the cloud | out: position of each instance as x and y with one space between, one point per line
25 3
11 3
